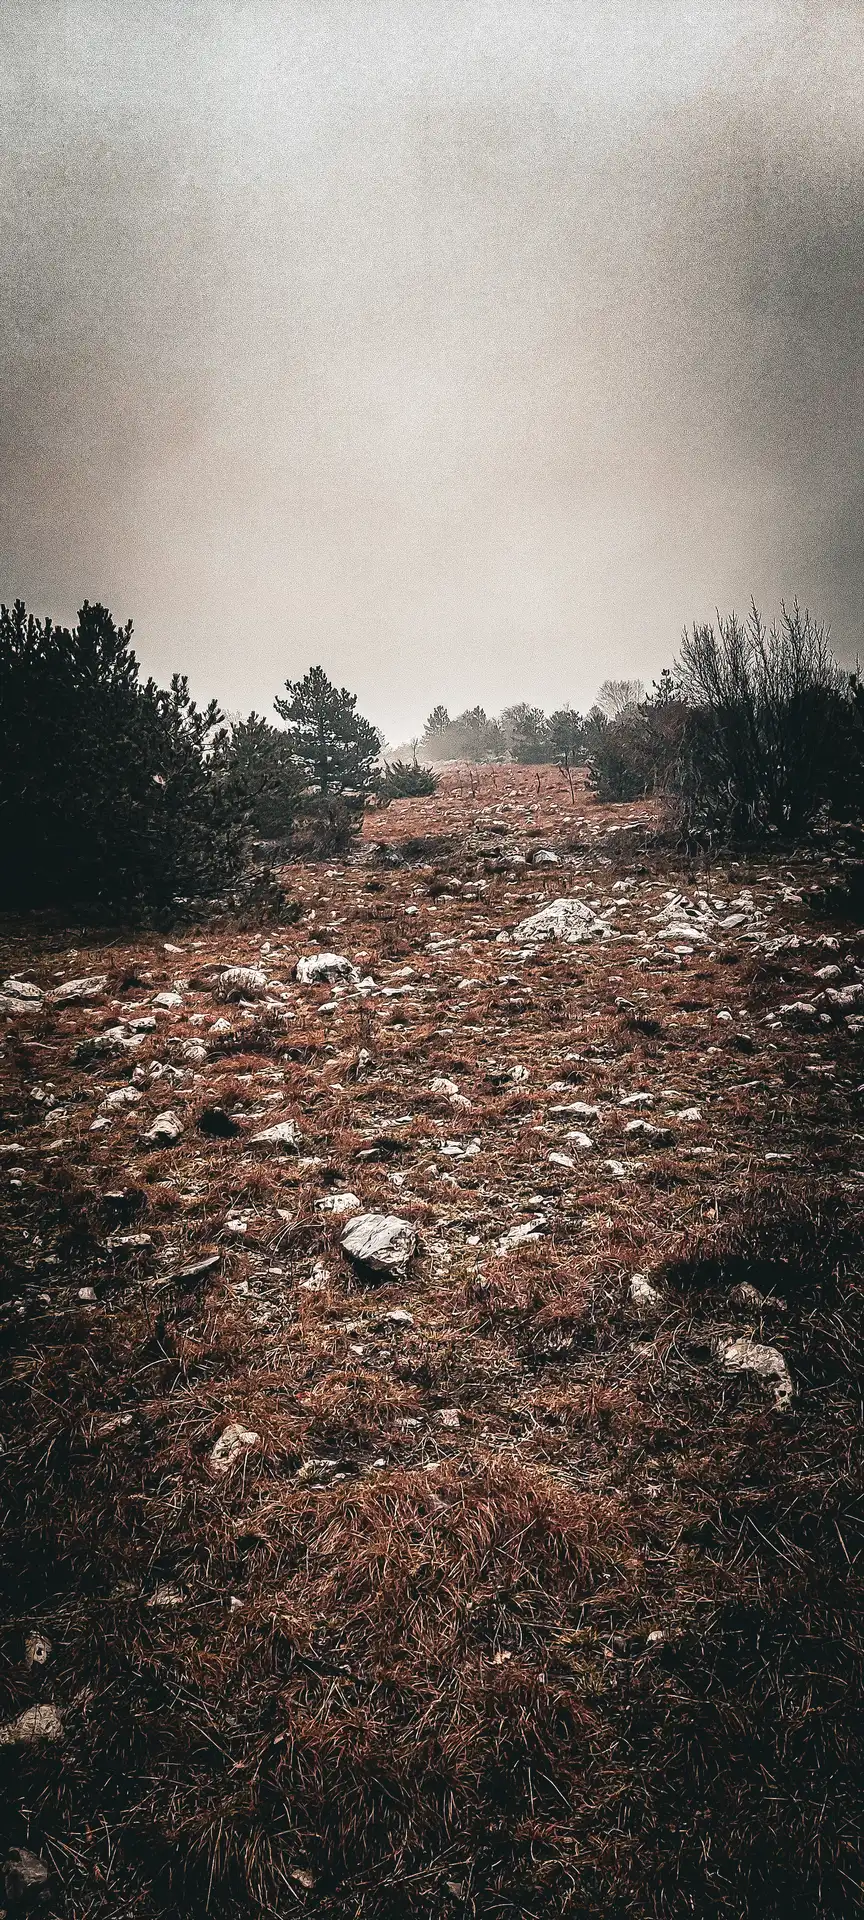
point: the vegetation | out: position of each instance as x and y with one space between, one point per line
109 798
262 776
332 744
406 780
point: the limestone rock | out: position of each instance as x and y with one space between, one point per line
233 1440
380 1241
323 969
166 1130
749 1356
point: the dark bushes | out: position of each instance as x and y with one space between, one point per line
406 780
108 798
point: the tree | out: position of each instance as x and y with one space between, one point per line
333 745
437 723
261 775
615 696
526 731
566 733
108 798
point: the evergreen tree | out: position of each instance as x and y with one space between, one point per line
107 795
334 747
437 723
261 775
566 736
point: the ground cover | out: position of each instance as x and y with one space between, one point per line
521 1582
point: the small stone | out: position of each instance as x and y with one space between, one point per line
31 1726
166 1130
167 1000
448 1418
233 1441
567 920
519 1236
70 992
339 1203
581 1140
128 1242
399 1317
25 1877
545 857
642 1293
749 1356
37 1650
381 1241
27 989
283 1136
323 969
241 983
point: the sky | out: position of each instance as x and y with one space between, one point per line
468 349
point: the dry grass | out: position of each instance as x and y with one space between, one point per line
592 1648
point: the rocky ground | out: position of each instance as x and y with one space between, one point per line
498 1554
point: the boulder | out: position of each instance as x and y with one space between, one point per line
34 1724
27 990
380 1241
323 969
241 983
567 920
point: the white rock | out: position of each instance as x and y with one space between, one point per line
34 1724
642 1293
545 857
448 1418
113 1040
399 1317
749 1356
91 987
338 1203
519 1236
246 983
579 1109
27 990
637 1100
567 920
560 1160
380 1241
37 1650
688 1113
128 1242
578 1139
322 969
168 1000
233 1440
166 1129
283 1136
122 1097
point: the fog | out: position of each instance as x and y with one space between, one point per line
470 350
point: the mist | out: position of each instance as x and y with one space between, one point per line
470 351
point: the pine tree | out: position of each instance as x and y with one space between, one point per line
334 747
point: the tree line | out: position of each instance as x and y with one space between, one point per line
116 793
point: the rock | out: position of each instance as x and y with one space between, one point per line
339 1203
122 1097
642 1293
218 1124
399 1317
241 983
12 1006
114 1040
579 1109
448 1418
380 1241
637 1100
544 857
441 1084
578 1139
31 1726
322 969
128 1242
282 1137
567 920
25 1877
70 992
37 1650
234 1440
166 1130
27 989
560 1160
167 1000
519 1236
749 1356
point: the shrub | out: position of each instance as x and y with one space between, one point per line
769 725
108 797
406 780
638 750
526 732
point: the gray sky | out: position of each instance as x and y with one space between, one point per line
470 348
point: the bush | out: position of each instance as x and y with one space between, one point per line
108 798
769 729
637 751
331 743
406 780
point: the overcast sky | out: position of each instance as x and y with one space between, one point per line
468 347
